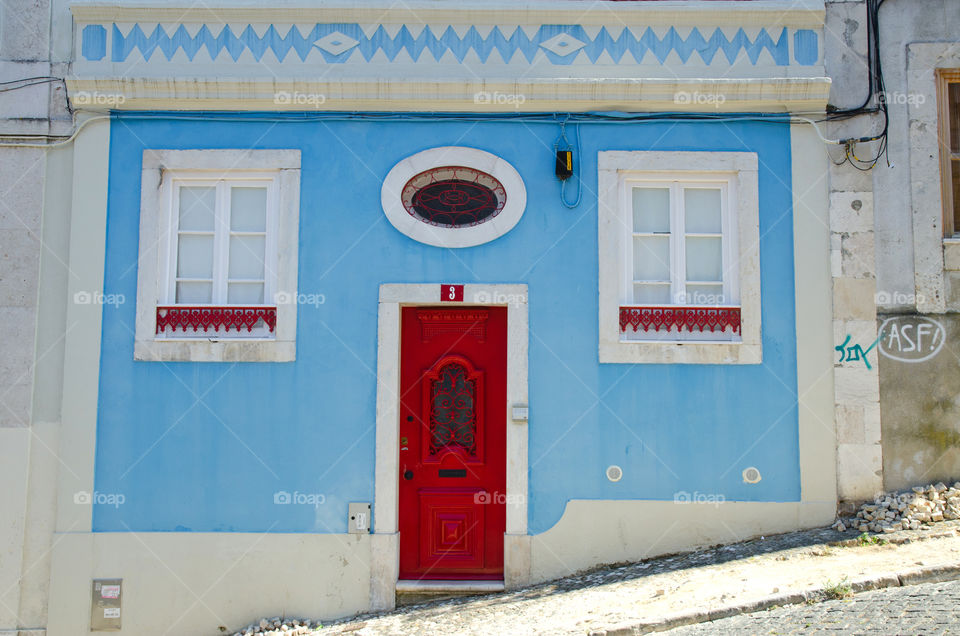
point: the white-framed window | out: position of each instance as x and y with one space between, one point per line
218 255
222 236
679 257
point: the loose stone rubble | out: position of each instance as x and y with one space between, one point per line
906 511
279 627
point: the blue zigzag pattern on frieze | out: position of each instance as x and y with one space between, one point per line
225 41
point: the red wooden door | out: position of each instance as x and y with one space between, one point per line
453 403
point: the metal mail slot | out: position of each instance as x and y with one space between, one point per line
453 472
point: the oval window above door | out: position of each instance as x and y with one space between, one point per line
453 196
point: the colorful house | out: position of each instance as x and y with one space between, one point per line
374 299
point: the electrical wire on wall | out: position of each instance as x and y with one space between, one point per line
562 145
876 93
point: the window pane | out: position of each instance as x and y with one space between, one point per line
197 208
248 209
195 256
705 295
701 207
245 293
651 210
246 256
956 194
953 95
651 258
651 294
194 293
704 259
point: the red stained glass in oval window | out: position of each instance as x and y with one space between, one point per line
453 196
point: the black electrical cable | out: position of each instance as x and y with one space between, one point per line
876 91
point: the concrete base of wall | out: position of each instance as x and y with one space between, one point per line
193 583
591 533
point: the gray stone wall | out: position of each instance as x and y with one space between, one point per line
889 254
28 445
920 399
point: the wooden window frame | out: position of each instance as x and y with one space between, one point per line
946 77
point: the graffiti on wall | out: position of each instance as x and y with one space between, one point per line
911 338
850 353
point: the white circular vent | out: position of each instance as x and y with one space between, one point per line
453 196
751 475
614 473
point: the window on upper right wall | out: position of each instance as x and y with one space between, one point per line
949 107
682 259
679 257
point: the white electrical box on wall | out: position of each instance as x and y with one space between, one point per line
521 413
358 518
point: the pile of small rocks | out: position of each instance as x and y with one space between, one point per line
279 627
906 511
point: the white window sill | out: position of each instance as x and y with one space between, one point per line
222 350
680 352
951 254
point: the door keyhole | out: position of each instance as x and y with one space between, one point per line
408 475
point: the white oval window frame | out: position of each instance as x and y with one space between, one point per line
501 170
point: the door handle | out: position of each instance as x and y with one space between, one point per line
408 475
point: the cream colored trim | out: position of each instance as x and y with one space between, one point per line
616 165
648 94
81 358
814 316
385 553
800 13
500 169
154 218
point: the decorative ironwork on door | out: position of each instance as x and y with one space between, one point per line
453 417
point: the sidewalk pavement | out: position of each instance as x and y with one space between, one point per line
667 592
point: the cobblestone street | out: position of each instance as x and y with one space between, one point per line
732 579
928 608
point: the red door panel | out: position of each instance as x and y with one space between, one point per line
453 367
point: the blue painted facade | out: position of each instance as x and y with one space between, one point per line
204 446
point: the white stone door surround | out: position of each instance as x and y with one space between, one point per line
385 547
